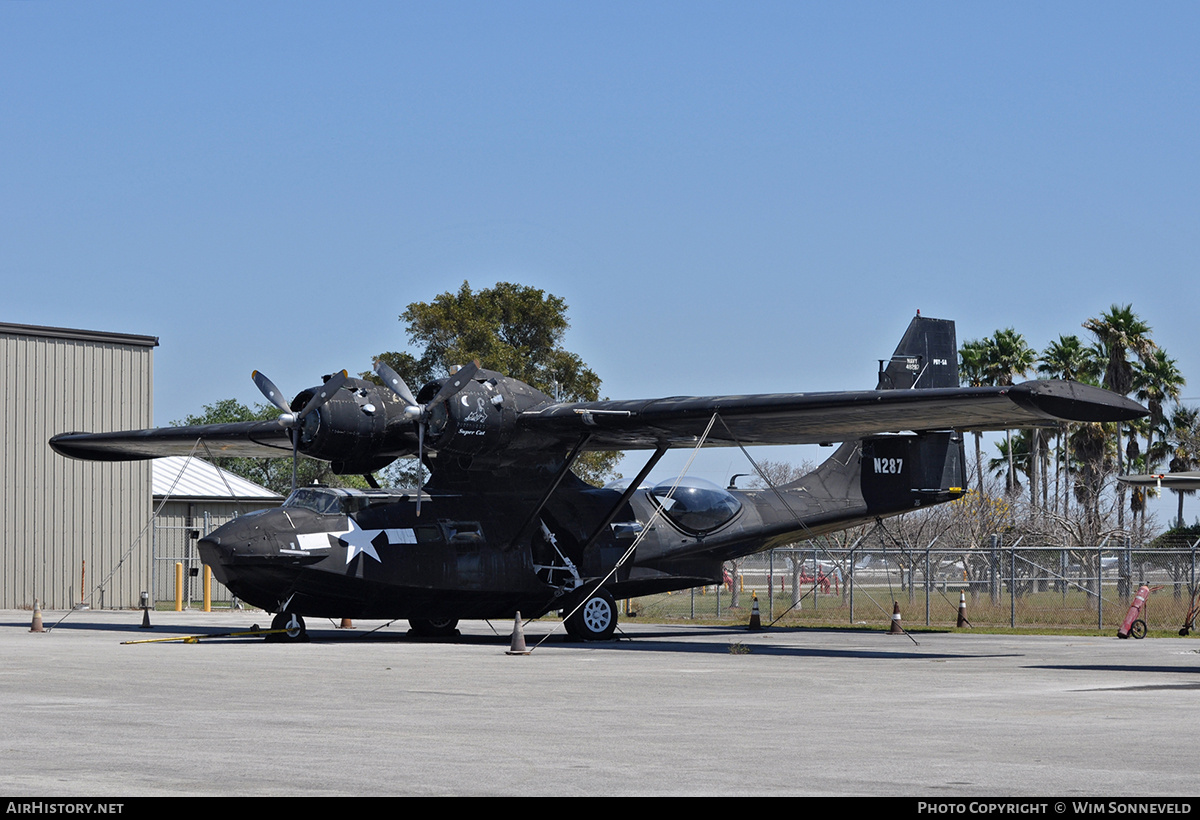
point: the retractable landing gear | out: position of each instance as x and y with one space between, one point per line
294 626
596 620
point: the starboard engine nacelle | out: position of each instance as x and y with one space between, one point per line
480 418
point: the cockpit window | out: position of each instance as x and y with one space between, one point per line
696 505
331 501
319 500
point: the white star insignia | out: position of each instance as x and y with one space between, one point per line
358 540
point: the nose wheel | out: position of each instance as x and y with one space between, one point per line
291 626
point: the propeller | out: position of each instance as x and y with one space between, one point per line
420 413
292 421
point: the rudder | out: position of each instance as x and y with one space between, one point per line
927 357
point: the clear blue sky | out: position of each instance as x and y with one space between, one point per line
731 197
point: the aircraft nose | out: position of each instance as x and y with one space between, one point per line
244 535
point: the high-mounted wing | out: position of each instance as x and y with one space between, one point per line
251 439
344 421
483 418
816 418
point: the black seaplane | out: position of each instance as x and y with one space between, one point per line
503 526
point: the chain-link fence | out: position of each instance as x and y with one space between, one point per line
1069 587
175 543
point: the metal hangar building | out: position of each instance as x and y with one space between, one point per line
70 530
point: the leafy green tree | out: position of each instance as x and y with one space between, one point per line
513 329
273 473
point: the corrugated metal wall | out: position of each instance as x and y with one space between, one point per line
68 527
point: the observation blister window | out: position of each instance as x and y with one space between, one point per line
696 505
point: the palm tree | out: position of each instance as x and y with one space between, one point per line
1002 466
972 372
1183 437
1006 358
1068 358
1155 381
1017 451
1120 332
1091 447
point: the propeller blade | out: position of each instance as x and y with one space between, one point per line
291 420
295 456
392 379
420 464
456 382
324 393
268 389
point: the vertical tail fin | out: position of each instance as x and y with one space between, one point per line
926 357
899 472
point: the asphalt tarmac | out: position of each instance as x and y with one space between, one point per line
670 709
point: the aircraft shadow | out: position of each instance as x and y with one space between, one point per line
719 641
1134 668
693 640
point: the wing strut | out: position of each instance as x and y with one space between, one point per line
632 547
625 496
558 477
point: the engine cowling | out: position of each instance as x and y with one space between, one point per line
362 428
480 418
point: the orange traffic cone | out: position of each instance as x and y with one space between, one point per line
346 624
755 618
36 626
517 647
962 610
896 628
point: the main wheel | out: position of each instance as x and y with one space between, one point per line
433 627
596 620
293 625
1138 629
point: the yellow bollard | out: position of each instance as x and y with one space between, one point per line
178 586
207 588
